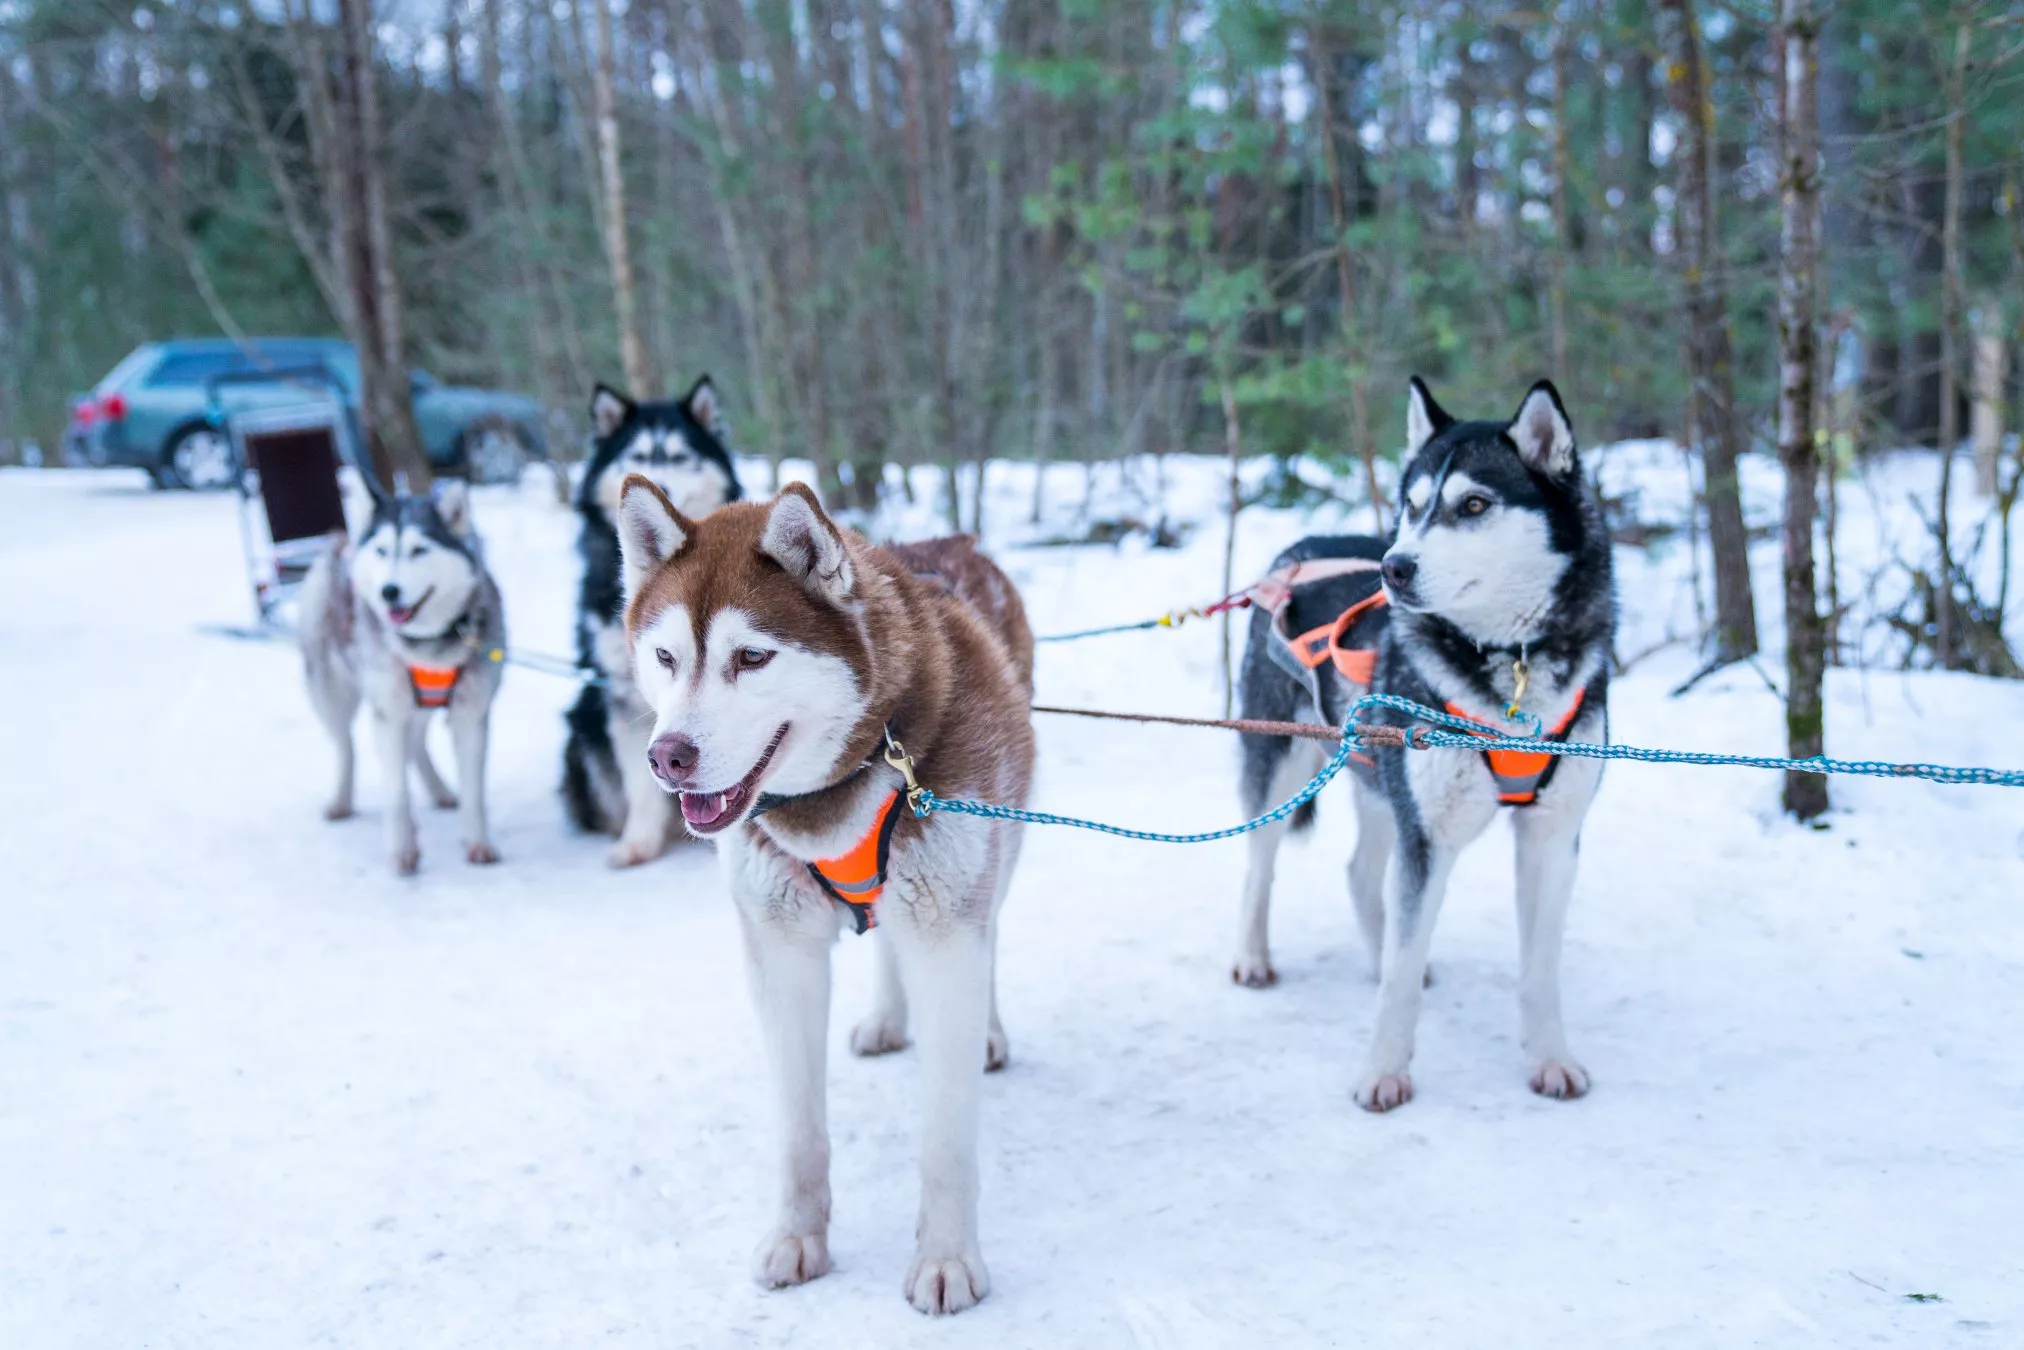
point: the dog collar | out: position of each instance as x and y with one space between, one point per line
854 878
768 801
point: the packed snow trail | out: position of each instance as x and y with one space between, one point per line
256 1092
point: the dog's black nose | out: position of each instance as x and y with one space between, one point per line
673 758
1400 569
390 593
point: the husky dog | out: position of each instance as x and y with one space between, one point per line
1501 608
787 662
407 619
681 446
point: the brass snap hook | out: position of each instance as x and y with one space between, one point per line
896 755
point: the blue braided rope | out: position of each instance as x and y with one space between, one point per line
1164 621
1468 735
1474 738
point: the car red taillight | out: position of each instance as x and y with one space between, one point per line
113 407
83 412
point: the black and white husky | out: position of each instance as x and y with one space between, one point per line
682 446
407 620
1497 604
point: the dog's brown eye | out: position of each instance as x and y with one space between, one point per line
665 657
1473 505
751 658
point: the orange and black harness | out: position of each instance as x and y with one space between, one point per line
433 685
1519 774
856 877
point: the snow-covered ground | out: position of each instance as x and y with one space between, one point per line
256 1092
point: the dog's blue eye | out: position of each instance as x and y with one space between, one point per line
665 657
752 658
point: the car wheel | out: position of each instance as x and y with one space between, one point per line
201 459
494 453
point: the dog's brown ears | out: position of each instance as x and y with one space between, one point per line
1425 419
1542 433
808 545
650 531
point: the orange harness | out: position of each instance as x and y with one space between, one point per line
1521 773
856 878
433 685
1358 665
1325 644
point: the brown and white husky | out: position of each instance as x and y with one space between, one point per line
784 658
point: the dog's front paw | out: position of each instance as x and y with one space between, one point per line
1253 970
633 852
1561 1079
338 810
481 853
877 1035
947 1284
790 1258
408 860
1381 1092
997 1050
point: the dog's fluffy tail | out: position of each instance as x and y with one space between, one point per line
589 764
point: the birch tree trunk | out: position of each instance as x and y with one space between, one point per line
1712 405
509 167
1345 281
1233 444
1946 623
1991 368
1562 240
617 248
346 141
13 312
1805 794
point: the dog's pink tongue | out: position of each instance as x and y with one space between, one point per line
705 809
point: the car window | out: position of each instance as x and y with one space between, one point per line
343 363
194 368
136 361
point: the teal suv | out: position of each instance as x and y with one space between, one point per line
149 412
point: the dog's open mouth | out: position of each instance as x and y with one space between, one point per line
709 812
401 615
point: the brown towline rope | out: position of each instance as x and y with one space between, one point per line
1310 731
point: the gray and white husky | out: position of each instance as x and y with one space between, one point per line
1497 604
408 620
